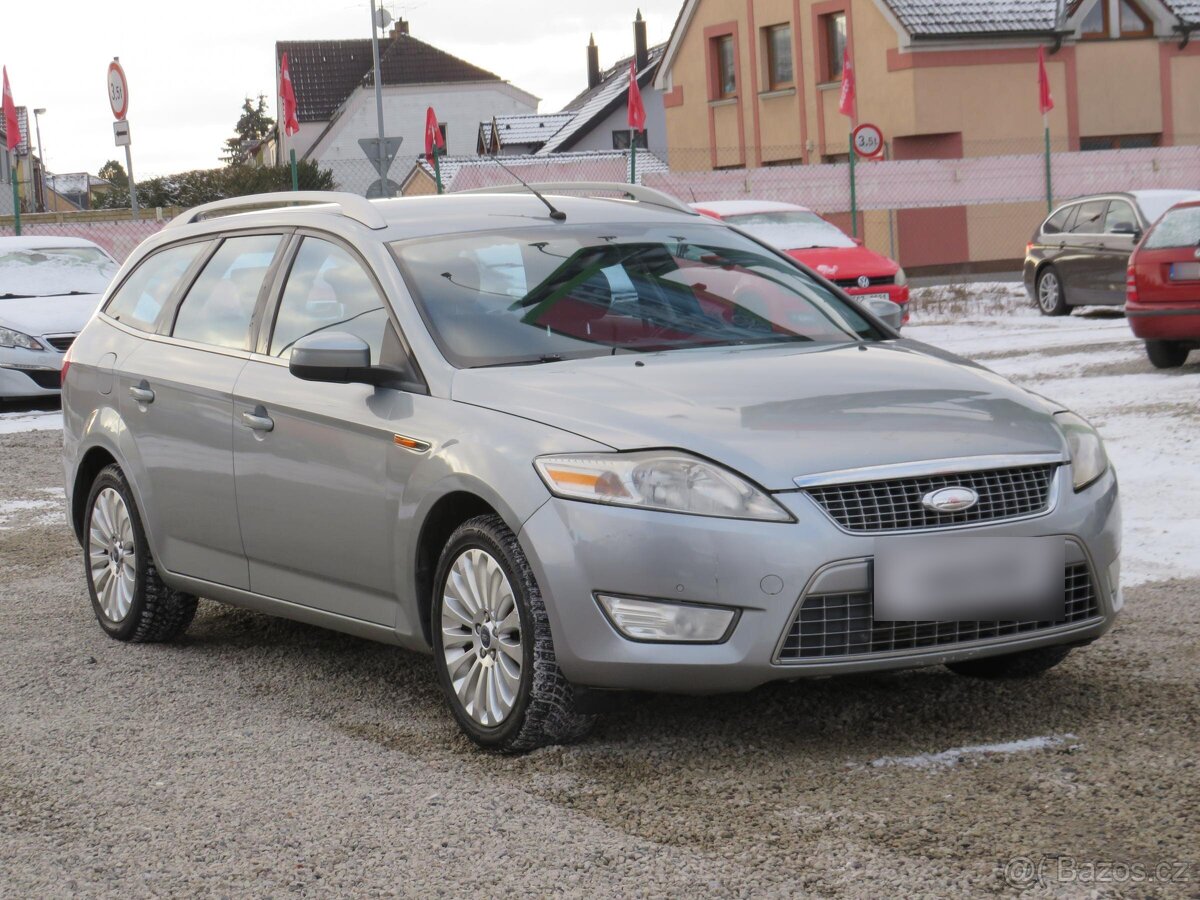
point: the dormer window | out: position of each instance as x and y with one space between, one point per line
1115 19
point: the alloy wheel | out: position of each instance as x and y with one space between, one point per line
112 556
1048 292
481 637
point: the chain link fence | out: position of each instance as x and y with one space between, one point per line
971 210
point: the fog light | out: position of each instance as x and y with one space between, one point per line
667 621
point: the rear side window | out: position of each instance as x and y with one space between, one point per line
1057 223
328 290
140 299
1091 218
220 305
1178 228
1120 218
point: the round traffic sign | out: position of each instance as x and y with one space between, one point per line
118 90
868 141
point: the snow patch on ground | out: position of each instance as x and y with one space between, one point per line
948 758
38 511
30 420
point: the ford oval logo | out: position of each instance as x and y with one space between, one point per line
950 499
864 281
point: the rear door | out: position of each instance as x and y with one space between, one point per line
177 400
319 473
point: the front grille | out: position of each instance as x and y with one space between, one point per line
62 343
895 505
879 281
831 625
45 378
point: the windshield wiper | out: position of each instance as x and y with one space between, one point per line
531 361
15 296
65 294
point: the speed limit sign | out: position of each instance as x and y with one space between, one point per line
118 90
868 141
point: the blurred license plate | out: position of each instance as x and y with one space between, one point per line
958 578
1188 271
872 297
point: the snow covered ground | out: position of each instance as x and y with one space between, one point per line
1089 361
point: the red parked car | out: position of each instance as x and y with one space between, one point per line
818 244
1162 298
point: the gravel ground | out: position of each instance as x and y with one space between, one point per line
261 757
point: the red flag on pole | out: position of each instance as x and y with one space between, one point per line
12 126
1045 100
849 97
637 112
433 135
290 124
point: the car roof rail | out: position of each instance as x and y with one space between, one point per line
352 206
636 192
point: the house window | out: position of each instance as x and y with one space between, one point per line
1130 20
778 39
1120 142
1133 21
621 139
726 75
833 34
1095 23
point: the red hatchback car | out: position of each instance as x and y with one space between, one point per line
819 244
1162 300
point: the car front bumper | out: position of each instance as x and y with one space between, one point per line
29 373
764 570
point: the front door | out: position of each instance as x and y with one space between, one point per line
1080 262
1116 245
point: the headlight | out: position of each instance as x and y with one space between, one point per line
1088 459
665 480
901 278
11 339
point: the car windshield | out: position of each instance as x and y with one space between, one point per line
791 229
539 295
54 271
1178 228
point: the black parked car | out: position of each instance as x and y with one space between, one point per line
1079 255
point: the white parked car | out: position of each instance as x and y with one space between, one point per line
49 288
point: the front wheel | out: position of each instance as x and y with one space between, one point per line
492 645
1166 354
1051 299
131 601
1026 664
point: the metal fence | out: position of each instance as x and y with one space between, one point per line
973 212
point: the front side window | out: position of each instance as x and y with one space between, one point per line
140 299
536 295
54 271
726 75
328 290
833 28
779 56
1178 228
1090 219
1121 218
219 306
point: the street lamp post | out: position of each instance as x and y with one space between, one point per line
37 127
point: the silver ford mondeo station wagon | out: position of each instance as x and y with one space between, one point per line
566 444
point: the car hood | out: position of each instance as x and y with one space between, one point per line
845 262
775 413
48 315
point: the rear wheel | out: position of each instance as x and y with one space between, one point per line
1025 664
131 601
492 645
1166 354
1051 298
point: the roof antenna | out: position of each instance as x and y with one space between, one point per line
556 214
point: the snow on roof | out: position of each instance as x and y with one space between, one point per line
1187 10
953 17
1156 202
535 128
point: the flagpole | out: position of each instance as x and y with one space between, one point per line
437 170
1049 184
632 156
16 193
295 174
853 190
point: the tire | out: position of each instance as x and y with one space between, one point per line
482 634
1026 664
1049 295
132 603
1166 354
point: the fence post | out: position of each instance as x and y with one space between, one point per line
295 174
12 171
1049 185
632 156
853 190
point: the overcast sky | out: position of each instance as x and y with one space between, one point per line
190 64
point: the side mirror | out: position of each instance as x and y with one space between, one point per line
891 313
1128 228
334 357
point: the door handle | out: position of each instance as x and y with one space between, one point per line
258 423
141 394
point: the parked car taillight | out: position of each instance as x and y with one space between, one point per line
66 364
1131 293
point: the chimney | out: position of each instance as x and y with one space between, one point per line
641 51
593 62
401 27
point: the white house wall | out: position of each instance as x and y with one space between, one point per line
599 135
